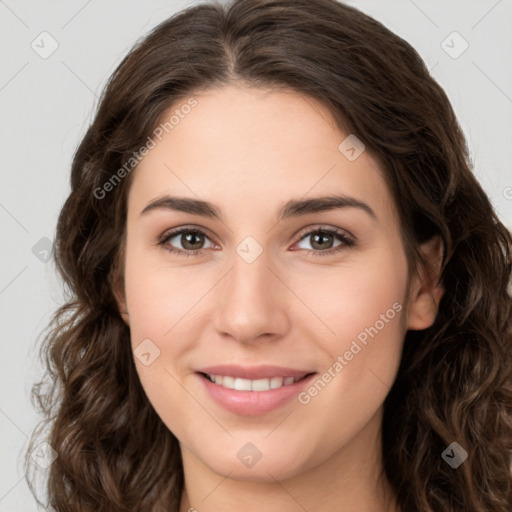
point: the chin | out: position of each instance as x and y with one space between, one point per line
274 464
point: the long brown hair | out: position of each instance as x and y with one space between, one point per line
454 382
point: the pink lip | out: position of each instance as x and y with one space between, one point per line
253 372
253 403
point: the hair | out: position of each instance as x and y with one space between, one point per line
454 381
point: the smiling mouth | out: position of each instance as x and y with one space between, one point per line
240 384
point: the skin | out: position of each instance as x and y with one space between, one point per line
288 307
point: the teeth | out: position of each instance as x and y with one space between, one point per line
252 385
276 382
227 382
243 385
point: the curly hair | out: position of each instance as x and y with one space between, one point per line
455 378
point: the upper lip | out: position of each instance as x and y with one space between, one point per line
253 372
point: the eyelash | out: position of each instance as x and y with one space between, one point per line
347 242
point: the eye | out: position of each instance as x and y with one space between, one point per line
322 239
190 239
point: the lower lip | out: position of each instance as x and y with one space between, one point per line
253 403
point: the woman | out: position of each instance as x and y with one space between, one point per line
207 359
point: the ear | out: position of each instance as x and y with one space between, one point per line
117 287
425 290
121 304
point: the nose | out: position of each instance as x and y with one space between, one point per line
252 301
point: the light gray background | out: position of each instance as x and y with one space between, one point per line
47 104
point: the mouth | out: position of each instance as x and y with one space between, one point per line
240 384
253 391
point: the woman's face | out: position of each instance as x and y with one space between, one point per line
257 295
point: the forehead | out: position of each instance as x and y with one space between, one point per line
254 146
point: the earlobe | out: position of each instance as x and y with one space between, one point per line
117 287
126 317
121 303
426 290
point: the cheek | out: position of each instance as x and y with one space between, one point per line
161 299
363 309
159 303
353 300
163 305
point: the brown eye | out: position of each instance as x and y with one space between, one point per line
322 241
191 241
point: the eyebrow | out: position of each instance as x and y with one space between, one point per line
292 208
